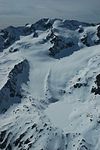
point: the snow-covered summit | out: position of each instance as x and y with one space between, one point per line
50 86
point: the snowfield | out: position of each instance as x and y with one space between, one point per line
50 86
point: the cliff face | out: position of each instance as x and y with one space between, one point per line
11 92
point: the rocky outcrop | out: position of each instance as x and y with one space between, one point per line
12 50
12 91
98 31
11 34
96 90
43 24
77 35
59 43
74 24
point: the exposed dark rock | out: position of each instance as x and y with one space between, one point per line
9 147
79 85
29 146
40 130
34 125
27 141
80 29
84 40
74 24
50 36
28 29
53 100
2 135
96 90
98 31
43 24
35 35
12 50
83 145
59 43
12 92
45 124
4 33
3 144
97 41
18 140
7 42
98 80
11 34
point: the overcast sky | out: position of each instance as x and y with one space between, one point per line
20 12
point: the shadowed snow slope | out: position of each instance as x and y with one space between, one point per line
50 87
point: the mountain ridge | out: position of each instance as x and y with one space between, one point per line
53 67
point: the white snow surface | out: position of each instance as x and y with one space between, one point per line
53 114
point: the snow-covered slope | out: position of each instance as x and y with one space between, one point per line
50 86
